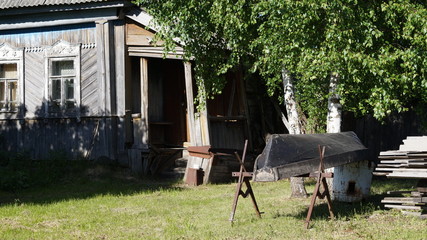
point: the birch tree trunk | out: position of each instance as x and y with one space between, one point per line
297 183
333 124
333 121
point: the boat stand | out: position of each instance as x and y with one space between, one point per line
244 177
321 180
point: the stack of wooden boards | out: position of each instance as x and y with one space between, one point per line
410 161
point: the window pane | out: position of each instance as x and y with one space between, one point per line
13 86
2 90
13 90
61 68
2 95
56 90
69 88
9 70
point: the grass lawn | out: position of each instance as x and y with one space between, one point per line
111 206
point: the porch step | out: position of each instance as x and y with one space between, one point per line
177 171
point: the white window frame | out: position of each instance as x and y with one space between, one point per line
62 51
10 55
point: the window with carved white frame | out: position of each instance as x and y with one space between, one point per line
11 78
63 78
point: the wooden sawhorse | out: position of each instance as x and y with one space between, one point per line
321 180
244 177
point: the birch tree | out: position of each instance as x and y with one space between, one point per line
377 48
297 183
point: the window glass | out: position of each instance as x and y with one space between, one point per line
13 90
2 94
69 88
62 83
8 70
63 68
8 86
56 90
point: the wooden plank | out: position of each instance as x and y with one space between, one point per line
58 18
382 165
404 207
380 173
77 34
401 200
190 103
144 100
417 154
398 192
34 83
89 85
410 165
101 71
393 153
119 62
405 161
393 157
135 29
421 170
407 175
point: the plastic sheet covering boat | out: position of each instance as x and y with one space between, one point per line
288 155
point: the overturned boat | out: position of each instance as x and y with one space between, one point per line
287 155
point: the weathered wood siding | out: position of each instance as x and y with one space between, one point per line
41 137
89 83
81 33
382 136
99 131
227 134
34 82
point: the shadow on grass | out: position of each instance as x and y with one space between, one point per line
364 208
94 181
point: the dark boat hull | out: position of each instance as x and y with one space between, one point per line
293 155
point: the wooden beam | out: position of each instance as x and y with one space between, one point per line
144 99
190 103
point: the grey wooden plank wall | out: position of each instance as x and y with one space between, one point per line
34 83
89 83
83 33
227 134
41 137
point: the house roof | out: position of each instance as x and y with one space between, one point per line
6 4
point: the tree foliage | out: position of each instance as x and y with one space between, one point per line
377 47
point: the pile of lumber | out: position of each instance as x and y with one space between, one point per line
402 164
410 161
409 202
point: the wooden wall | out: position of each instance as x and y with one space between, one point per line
41 137
387 135
47 36
100 129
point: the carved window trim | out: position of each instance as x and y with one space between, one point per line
11 55
63 51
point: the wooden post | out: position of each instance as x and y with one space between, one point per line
144 100
190 103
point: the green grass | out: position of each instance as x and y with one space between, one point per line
117 206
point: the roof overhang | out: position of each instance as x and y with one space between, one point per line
54 15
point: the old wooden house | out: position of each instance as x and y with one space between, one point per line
85 77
